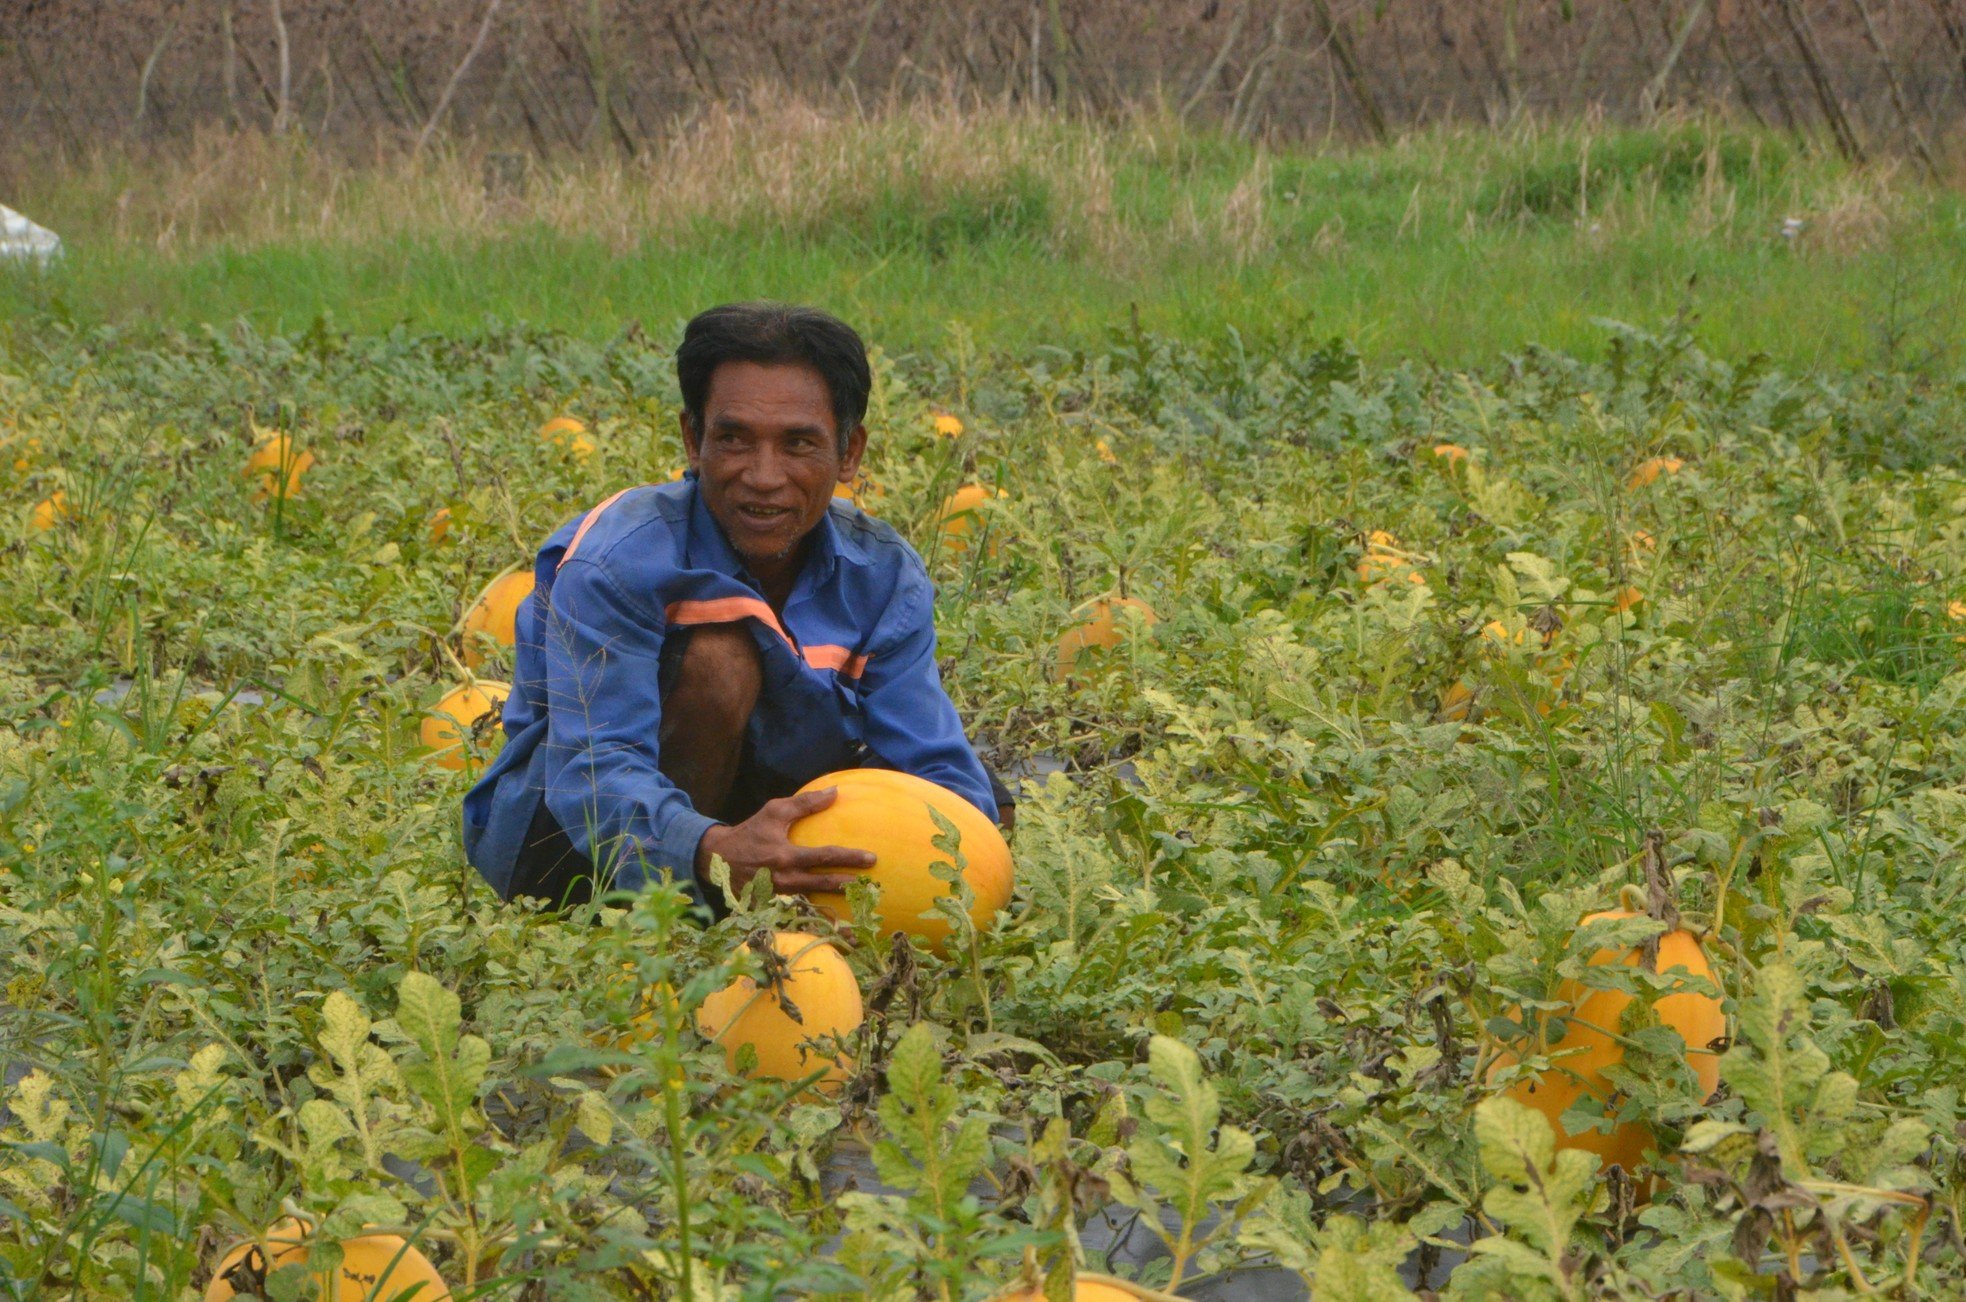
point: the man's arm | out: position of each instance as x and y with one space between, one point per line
606 786
604 783
910 721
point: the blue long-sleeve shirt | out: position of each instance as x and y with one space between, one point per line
849 675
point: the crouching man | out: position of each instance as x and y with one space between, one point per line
695 652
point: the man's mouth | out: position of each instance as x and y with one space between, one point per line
764 517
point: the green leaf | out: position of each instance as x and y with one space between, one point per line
1539 1195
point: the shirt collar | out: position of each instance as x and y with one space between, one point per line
708 549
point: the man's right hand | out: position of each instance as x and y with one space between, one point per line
764 841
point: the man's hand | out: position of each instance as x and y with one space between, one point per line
763 841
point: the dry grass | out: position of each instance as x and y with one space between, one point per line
777 162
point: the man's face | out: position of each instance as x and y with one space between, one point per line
768 457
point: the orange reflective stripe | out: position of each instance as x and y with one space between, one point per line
725 610
836 657
586 523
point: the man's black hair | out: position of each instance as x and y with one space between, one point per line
776 334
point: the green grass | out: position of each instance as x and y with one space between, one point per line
1452 246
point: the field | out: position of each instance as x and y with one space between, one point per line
1461 638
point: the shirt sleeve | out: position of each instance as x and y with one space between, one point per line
603 655
909 721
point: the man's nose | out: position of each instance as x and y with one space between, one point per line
764 469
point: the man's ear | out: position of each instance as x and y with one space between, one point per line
692 446
856 447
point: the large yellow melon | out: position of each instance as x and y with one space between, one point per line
887 813
961 517
495 614
1587 1047
375 1266
1102 628
451 721
816 983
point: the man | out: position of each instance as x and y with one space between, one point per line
694 652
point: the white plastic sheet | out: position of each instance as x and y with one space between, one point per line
24 241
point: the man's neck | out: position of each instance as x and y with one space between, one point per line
776 577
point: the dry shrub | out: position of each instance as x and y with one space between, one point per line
1857 213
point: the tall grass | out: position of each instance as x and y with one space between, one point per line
1029 228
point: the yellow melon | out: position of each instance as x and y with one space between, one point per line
278 466
1588 1045
948 426
961 515
1497 635
1649 470
49 512
887 813
1627 598
268 455
1385 560
1083 1290
861 491
438 526
1453 454
814 996
451 722
569 434
1102 627
495 615
1104 451
1956 612
372 1266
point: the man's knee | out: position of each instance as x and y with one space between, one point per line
720 676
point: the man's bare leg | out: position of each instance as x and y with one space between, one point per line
705 713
